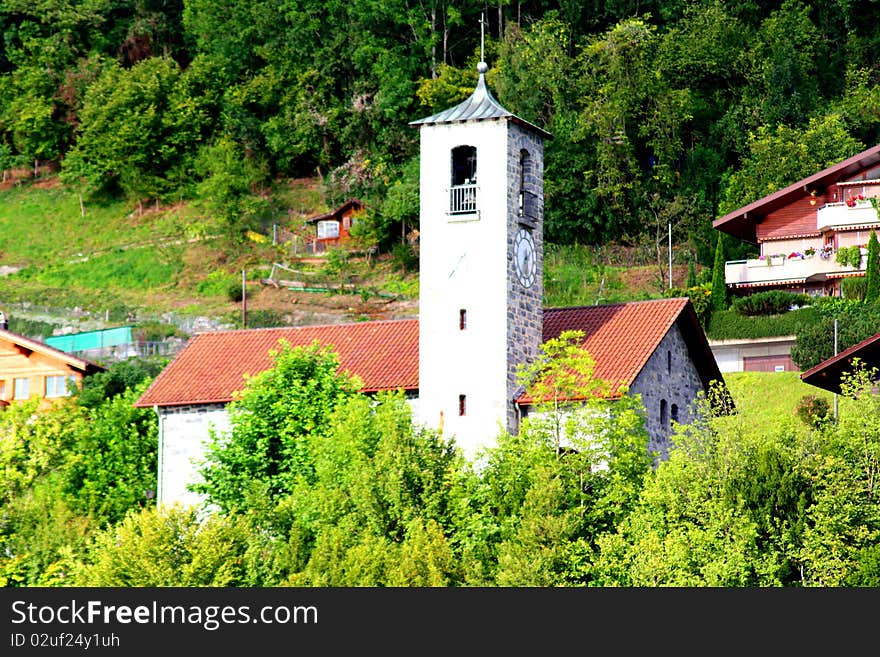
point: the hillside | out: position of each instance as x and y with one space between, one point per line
70 267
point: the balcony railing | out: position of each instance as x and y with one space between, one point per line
779 268
841 214
463 199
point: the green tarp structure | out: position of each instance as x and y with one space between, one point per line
74 342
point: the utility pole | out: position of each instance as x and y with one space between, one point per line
835 353
243 300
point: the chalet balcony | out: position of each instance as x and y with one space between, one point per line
841 215
780 269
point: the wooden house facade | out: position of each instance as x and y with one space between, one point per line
811 234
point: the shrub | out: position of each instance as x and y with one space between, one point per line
771 302
729 324
234 292
405 257
813 411
854 288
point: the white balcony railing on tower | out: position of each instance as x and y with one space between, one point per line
463 198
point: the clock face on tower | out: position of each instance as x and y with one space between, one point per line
525 258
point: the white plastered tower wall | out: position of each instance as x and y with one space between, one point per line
466 265
463 267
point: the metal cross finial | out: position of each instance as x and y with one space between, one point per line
482 35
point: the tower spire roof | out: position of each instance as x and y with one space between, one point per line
480 105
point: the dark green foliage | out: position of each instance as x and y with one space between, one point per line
729 324
700 297
771 302
679 114
113 465
867 571
405 257
872 270
119 377
815 341
719 287
692 275
773 492
853 287
262 319
235 292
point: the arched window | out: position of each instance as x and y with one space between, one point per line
527 197
664 415
673 413
463 183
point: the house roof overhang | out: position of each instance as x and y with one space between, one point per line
338 212
827 374
741 222
26 347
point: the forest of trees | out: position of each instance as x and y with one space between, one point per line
661 112
334 488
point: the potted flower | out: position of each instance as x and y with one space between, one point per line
809 252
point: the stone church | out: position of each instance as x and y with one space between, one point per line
480 312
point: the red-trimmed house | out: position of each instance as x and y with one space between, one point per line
334 228
655 348
800 229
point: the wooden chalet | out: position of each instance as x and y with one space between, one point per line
800 230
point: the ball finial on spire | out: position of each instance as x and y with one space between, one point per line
482 67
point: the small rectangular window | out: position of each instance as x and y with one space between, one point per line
462 319
59 386
22 388
462 405
328 229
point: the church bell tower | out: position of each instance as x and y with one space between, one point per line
481 261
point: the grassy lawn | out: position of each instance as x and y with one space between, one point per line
768 401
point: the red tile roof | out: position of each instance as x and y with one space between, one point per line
212 367
385 354
620 337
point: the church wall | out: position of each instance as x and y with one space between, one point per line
183 432
675 380
463 266
525 306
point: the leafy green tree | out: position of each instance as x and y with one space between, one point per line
137 127
268 447
228 180
113 462
167 547
782 155
691 275
719 284
119 377
382 503
872 270
727 508
839 543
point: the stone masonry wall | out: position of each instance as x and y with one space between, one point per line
670 374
